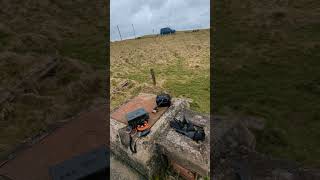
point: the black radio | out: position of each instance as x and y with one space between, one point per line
137 117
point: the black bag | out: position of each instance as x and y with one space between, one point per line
163 100
188 129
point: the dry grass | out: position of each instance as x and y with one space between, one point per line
31 32
181 63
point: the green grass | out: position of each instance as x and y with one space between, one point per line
274 77
4 38
178 71
28 119
89 48
85 52
188 83
180 82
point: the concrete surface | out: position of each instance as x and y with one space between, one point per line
121 171
147 160
192 155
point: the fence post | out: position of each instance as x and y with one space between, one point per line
153 77
119 33
134 32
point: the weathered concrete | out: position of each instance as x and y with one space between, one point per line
147 160
192 155
120 171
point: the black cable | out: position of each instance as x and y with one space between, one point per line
133 149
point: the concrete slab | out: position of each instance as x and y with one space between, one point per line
147 160
192 155
120 171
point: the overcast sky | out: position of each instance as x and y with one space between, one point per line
151 15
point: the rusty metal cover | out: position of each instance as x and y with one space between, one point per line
145 101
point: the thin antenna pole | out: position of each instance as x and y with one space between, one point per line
119 32
134 31
170 15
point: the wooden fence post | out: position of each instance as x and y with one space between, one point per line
153 77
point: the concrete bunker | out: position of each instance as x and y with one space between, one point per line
163 146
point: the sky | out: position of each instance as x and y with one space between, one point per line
148 16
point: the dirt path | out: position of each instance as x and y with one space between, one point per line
83 133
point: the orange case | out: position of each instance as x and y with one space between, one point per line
143 127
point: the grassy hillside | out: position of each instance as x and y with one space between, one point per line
52 64
267 65
181 64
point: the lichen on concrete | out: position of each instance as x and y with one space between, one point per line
147 160
192 155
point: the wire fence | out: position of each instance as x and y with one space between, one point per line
123 32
